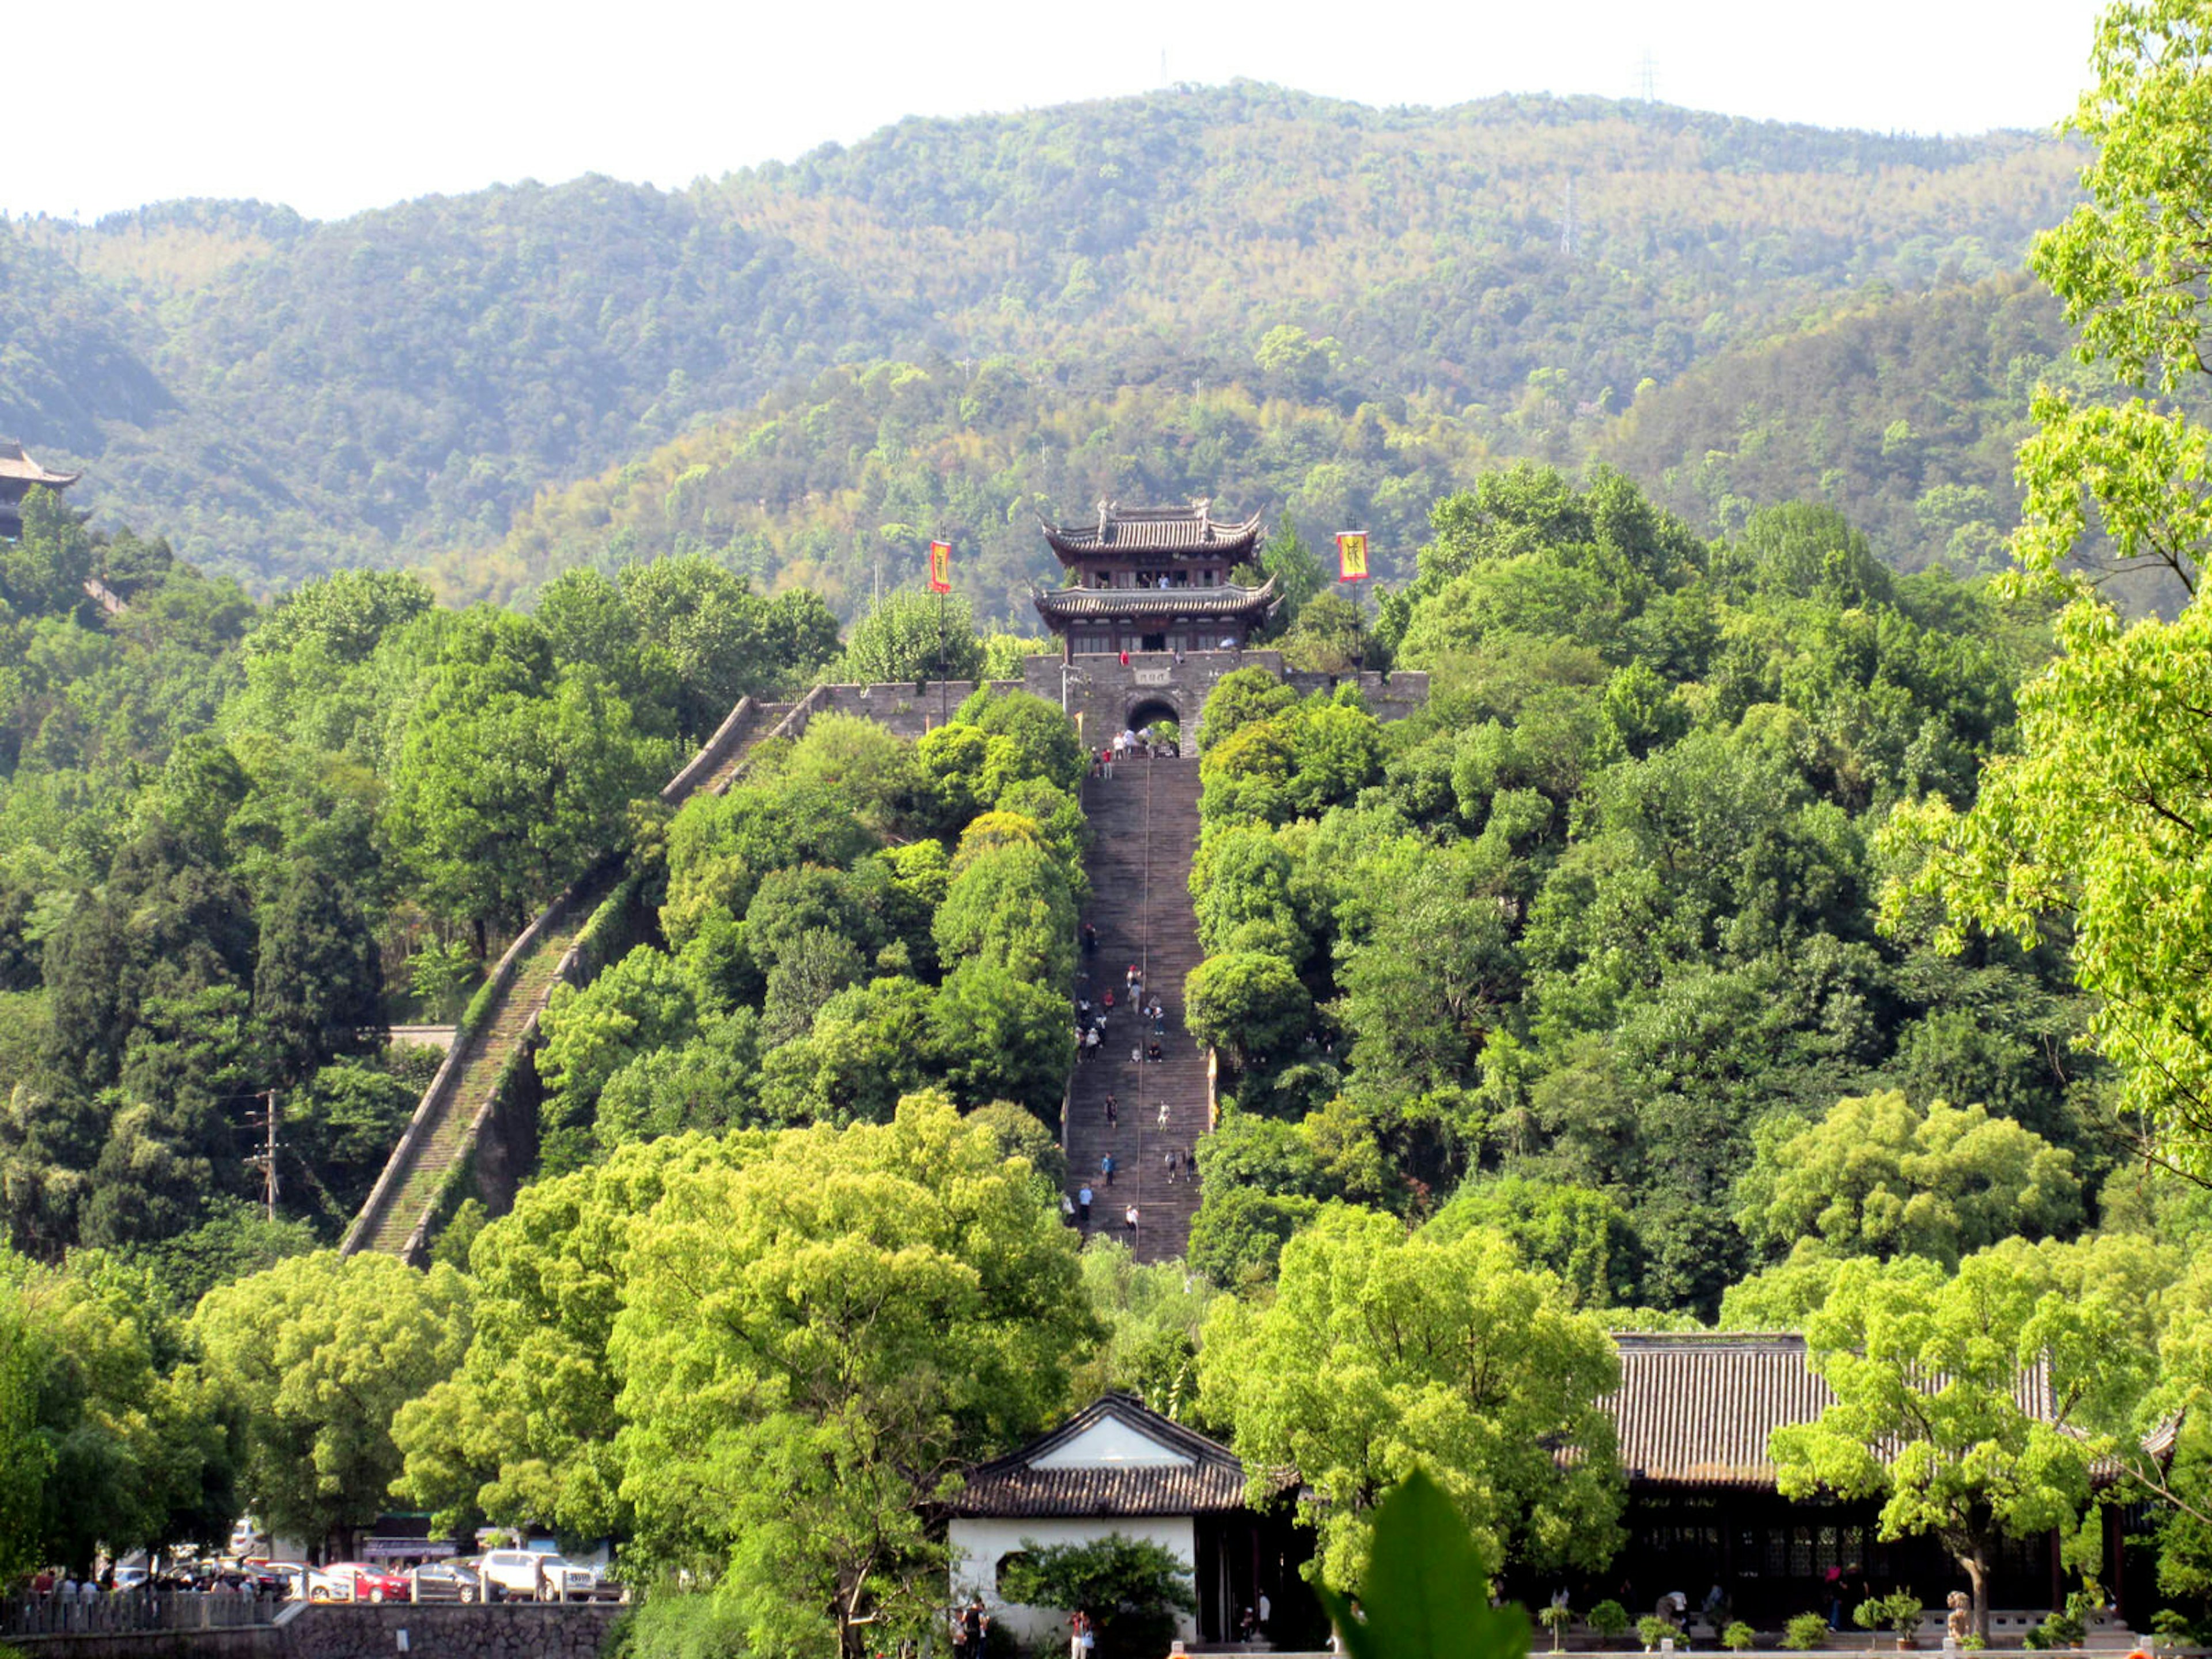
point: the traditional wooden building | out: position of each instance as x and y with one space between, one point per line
18 472
1155 578
1693 1415
1117 1468
1691 1418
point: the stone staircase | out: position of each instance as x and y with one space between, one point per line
398 1217
404 1197
1144 824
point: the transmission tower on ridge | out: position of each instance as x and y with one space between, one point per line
1647 77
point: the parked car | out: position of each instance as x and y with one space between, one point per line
365 1584
291 1576
128 1579
535 1576
446 1580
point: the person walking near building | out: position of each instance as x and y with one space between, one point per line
1106 1167
1113 1111
1083 1207
1171 1160
1131 1218
1164 1115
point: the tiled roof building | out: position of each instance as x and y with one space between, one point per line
1154 579
18 473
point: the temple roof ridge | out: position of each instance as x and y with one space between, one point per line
1190 527
17 465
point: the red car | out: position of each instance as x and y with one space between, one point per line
370 1583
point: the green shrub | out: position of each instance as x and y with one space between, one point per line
1739 1637
1654 1630
671 1624
1607 1618
2169 1628
1806 1631
1131 1587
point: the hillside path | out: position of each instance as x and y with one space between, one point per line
1144 825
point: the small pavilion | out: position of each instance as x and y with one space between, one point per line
1155 578
18 472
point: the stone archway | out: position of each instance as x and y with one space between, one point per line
1146 707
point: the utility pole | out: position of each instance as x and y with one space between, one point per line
266 1157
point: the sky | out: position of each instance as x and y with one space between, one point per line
332 109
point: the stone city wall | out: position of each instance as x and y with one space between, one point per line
322 1631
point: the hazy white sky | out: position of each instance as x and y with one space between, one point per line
334 108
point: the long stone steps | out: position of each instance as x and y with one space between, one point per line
1144 826
396 1218
444 1135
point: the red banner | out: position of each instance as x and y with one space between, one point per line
941 566
1352 556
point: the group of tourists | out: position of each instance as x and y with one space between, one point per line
1091 1019
1077 1209
1133 744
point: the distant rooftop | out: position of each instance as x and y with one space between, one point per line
17 466
1173 530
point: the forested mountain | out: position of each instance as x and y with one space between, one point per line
285 397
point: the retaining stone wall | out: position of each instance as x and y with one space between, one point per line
247 1642
506 1631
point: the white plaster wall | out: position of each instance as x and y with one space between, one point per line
978 1544
1110 1443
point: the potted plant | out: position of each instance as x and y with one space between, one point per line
1557 1617
1654 1630
1739 1637
1806 1632
1609 1619
1899 1610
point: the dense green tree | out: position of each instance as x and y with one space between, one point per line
1582 1237
1002 1038
1876 1176
320 1353
1010 909
135 1447
318 981
1381 1354
1248 1003
913 637
1969 1461
1242 697
1132 1588
942 1290
522 1432
511 779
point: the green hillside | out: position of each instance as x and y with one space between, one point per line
287 396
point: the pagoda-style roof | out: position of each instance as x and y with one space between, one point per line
17 468
1061 606
1176 531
